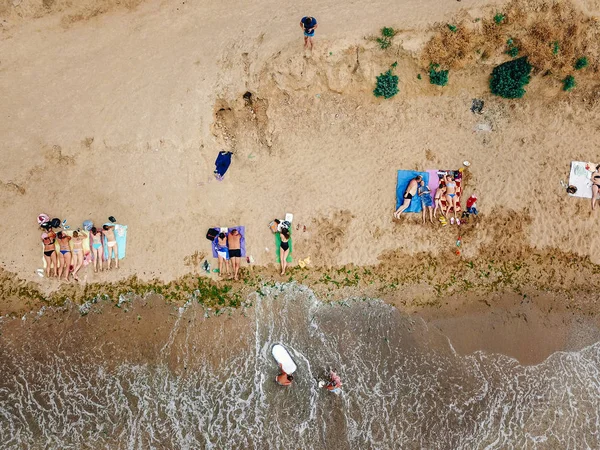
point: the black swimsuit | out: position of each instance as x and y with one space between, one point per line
284 246
49 252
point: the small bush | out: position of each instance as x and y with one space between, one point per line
387 85
452 28
384 43
555 48
569 83
438 77
388 32
507 79
512 52
581 63
499 18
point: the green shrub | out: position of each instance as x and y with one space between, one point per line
452 28
581 63
512 52
555 48
384 43
388 32
499 18
387 84
438 77
569 83
507 79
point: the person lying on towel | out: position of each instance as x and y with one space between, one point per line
410 192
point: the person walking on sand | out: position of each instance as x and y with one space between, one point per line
410 192
451 198
308 25
97 250
439 195
235 252
48 238
111 243
595 186
426 201
284 379
284 246
223 253
64 257
77 242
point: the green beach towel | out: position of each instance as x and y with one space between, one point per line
278 248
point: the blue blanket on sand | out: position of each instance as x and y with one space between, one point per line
404 177
242 231
222 163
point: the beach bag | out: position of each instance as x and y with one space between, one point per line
211 234
87 225
43 218
55 223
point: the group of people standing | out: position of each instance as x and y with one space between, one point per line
447 191
70 256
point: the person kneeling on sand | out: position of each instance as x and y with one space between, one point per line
235 252
410 192
284 379
223 253
111 242
426 201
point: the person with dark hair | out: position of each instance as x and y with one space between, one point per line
48 238
65 255
111 243
78 256
308 25
426 201
284 379
223 253
451 198
97 249
595 185
411 191
284 248
235 251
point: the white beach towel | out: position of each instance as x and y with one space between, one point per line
580 177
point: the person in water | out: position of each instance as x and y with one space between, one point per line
595 186
308 25
78 256
411 191
49 238
223 253
284 379
111 243
235 252
284 246
97 249
65 255
335 383
426 201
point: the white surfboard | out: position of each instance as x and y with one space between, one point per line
282 357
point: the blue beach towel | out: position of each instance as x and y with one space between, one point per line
404 177
222 163
120 237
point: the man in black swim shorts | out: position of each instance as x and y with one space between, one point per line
411 190
235 252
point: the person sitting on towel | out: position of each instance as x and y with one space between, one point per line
410 192
235 252
283 379
223 253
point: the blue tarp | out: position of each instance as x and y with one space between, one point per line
404 177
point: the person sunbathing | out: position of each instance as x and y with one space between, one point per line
426 202
451 198
48 238
284 248
595 186
223 253
235 252
111 243
64 256
78 256
409 193
439 195
97 251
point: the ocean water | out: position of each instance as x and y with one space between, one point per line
192 380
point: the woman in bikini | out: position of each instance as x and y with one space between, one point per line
111 242
65 255
284 235
48 239
97 250
77 241
595 186
451 198
439 195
